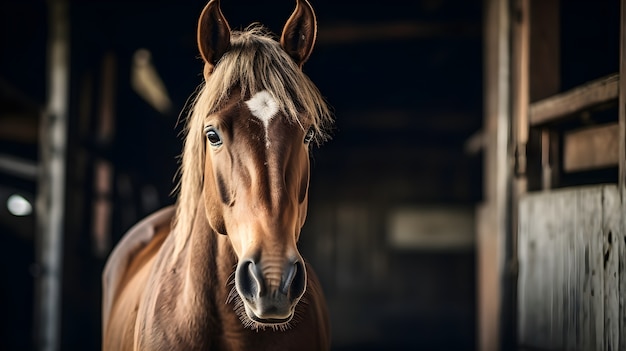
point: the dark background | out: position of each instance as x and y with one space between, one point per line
405 81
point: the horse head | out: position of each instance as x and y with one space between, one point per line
256 156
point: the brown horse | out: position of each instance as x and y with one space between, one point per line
221 269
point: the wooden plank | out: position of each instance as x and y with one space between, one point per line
622 102
612 231
550 156
520 82
621 238
520 88
546 169
104 170
19 167
493 214
488 280
51 187
431 228
19 128
591 148
557 107
560 287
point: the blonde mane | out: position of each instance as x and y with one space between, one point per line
255 61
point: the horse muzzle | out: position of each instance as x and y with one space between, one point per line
270 291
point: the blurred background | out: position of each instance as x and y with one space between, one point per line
391 227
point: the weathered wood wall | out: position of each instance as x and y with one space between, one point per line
570 245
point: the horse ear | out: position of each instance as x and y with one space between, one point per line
299 32
213 34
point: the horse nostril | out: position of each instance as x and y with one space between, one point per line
295 280
248 279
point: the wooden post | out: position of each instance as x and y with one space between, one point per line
492 221
51 193
622 177
520 90
103 168
622 101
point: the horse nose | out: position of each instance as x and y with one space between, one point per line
295 280
252 283
248 279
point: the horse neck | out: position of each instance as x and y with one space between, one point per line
209 262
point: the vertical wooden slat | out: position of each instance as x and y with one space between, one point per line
590 231
550 158
622 100
520 61
556 167
546 166
103 169
622 177
520 82
51 186
106 121
612 232
492 215
620 239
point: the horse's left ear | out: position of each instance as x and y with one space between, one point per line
213 34
299 32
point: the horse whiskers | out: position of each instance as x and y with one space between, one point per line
298 314
232 295
231 277
240 310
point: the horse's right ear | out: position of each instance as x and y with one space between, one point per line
213 34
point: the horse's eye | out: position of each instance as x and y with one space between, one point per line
213 136
310 134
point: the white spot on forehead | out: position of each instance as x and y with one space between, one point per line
263 106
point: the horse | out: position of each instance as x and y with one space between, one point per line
220 269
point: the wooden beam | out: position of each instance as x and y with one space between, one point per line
586 96
19 167
591 148
19 128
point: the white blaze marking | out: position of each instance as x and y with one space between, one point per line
263 106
